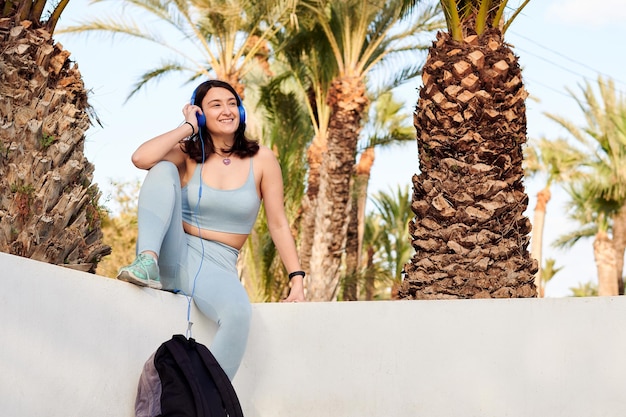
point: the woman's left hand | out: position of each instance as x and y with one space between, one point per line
296 293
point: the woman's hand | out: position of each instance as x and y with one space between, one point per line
166 146
296 293
191 115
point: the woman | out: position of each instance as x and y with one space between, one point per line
198 204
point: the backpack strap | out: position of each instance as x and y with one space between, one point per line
183 361
225 387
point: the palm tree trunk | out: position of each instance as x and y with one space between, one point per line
354 243
606 264
348 101
619 243
536 245
350 279
49 210
470 233
309 204
363 172
369 275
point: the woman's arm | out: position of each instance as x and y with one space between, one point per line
278 225
166 146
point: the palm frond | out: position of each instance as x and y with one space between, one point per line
394 76
394 212
557 159
386 123
223 36
465 16
155 75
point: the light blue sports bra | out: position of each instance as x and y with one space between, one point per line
230 211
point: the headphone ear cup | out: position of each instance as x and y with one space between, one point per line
242 113
200 116
201 120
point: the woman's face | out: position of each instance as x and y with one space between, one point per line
221 111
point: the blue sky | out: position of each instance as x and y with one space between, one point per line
561 44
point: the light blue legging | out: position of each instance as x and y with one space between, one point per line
184 258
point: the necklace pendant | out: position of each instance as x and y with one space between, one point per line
226 161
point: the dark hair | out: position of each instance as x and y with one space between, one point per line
242 147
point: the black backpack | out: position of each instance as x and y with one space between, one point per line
183 379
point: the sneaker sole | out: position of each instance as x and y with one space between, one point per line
127 277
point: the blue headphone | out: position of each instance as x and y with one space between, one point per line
202 118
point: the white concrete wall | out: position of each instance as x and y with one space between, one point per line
73 345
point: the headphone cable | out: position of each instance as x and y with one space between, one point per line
196 215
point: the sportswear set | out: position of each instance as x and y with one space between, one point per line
191 265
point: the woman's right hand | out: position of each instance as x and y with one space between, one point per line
167 145
191 113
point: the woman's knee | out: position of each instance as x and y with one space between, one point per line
160 178
164 168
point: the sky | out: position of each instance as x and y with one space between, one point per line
561 44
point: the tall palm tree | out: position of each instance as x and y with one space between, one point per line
288 130
49 209
593 212
386 126
603 137
218 38
469 231
312 70
361 35
559 163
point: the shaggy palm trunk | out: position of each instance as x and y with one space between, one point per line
536 246
49 208
309 203
606 264
469 231
347 100
619 243
349 282
356 227
370 279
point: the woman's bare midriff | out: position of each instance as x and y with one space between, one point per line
234 240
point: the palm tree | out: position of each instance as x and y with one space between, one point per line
559 163
385 127
594 214
312 71
288 130
386 248
395 212
549 271
220 39
375 275
469 231
49 210
360 35
604 140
